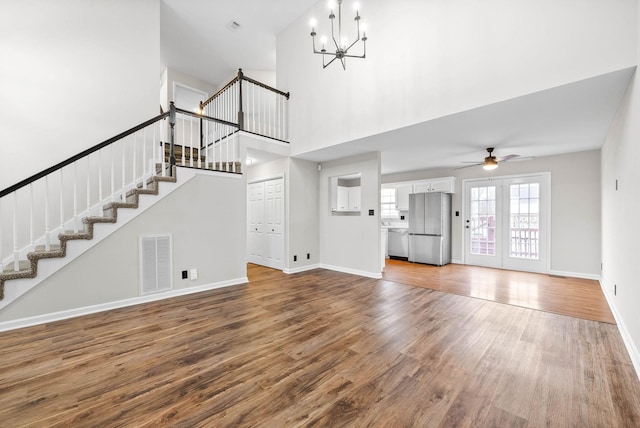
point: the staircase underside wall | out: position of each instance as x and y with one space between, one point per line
206 218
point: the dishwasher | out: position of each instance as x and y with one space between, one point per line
398 243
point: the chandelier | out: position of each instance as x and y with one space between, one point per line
341 44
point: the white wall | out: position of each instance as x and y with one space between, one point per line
351 243
174 76
206 218
620 226
428 59
304 213
73 74
575 206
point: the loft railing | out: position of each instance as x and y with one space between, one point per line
34 211
254 106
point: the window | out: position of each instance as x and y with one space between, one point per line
388 208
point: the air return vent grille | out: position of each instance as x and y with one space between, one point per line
155 264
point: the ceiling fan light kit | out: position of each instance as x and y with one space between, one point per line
490 162
341 45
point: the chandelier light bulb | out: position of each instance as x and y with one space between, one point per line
313 22
331 4
323 40
356 7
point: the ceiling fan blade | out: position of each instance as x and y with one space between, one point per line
523 158
507 157
468 166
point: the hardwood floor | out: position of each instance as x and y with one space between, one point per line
582 298
318 348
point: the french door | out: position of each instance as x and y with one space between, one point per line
506 222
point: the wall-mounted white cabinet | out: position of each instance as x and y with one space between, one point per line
402 197
348 198
446 185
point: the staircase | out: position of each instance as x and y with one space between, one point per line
29 268
67 200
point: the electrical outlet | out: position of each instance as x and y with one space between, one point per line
185 274
615 289
308 256
295 258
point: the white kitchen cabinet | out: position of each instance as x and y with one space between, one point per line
402 197
354 198
343 198
348 198
446 185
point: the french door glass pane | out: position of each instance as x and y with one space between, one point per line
483 220
524 220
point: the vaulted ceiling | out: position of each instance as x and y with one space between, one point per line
196 39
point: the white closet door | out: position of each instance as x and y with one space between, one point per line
265 240
255 235
274 223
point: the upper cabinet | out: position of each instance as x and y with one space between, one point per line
402 197
446 185
345 194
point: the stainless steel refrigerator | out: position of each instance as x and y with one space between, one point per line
430 228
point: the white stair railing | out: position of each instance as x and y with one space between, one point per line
254 106
34 211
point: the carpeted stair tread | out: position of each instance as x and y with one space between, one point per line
8 270
43 248
98 219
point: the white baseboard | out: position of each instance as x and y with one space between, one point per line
301 269
457 262
77 312
373 275
575 275
632 349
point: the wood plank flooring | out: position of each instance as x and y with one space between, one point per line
582 298
318 348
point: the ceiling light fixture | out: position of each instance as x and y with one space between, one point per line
490 162
341 45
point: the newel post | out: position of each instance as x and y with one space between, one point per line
172 124
201 126
240 112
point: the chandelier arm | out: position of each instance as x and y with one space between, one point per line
352 44
329 63
333 36
355 56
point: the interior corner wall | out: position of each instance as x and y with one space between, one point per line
73 74
575 206
620 227
352 243
204 235
429 59
303 232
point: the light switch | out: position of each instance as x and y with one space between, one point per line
193 274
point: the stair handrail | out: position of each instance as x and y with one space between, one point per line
239 78
81 155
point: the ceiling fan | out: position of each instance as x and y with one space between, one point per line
491 162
